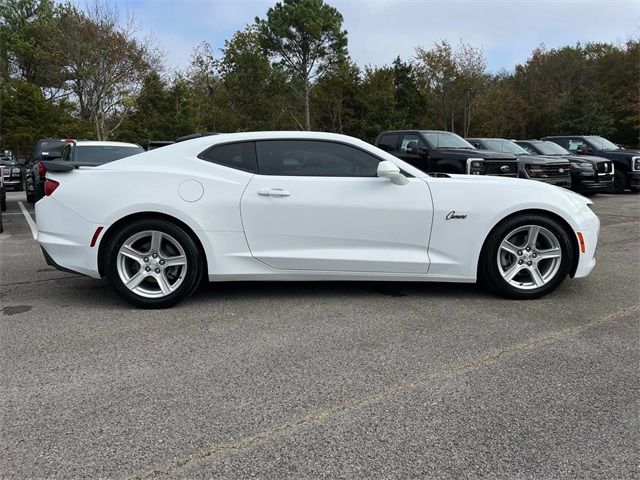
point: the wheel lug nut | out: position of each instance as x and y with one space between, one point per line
534 255
519 252
154 255
157 270
528 249
161 262
529 263
520 262
148 269
146 259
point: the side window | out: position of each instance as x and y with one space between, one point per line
411 140
241 156
574 143
311 158
528 148
388 142
66 153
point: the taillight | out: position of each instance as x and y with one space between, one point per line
41 169
50 187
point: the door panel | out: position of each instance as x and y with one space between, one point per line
355 224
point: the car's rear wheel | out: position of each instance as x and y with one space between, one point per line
619 182
526 257
153 263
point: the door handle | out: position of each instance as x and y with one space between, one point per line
273 192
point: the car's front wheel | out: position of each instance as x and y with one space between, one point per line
153 263
526 257
619 182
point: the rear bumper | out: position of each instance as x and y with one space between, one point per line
65 238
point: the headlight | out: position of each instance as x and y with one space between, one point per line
635 163
534 170
582 165
475 166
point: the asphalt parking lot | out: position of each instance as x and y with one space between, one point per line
322 380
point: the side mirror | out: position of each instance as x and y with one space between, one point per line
423 151
390 170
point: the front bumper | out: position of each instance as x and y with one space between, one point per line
65 237
586 260
591 183
634 179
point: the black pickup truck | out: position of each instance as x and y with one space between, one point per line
589 175
626 162
435 151
554 171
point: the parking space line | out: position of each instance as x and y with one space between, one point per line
32 224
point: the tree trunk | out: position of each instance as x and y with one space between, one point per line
307 116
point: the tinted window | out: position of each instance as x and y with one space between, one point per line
574 143
241 156
528 148
446 140
101 154
563 142
388 142
49 149
66 153
314 159
550 148
411 140
504 146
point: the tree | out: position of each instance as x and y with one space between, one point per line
306 36
106 64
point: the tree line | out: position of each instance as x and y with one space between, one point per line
67 72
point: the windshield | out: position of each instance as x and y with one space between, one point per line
99 154
551 148
600 143
506 146
447 140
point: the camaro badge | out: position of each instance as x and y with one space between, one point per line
453 216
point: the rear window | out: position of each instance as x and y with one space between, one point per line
241 156
101 154
49 149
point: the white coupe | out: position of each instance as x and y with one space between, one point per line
305 206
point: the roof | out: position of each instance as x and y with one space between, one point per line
97 143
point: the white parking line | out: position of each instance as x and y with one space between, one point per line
32 224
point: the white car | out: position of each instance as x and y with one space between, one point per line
306 206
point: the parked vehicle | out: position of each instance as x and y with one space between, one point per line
305 206
434 151
3 192
555 171
45 150
153 144
191 136
589 175
625 161
12 173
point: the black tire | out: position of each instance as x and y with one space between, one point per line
31 197
619 182
3 202
489 273
194 263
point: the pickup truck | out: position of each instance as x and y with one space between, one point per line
554 171
435 151
626 161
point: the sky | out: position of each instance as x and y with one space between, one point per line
380 30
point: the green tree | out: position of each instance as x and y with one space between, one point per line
306 36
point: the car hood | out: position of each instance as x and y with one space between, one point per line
541 160
621 154
477 153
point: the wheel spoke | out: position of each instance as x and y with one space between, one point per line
509 247
134 281
163 283
532 237
156 240
535 276
512 272
175 261
550 253
130 252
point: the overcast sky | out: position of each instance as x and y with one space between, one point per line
379 30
